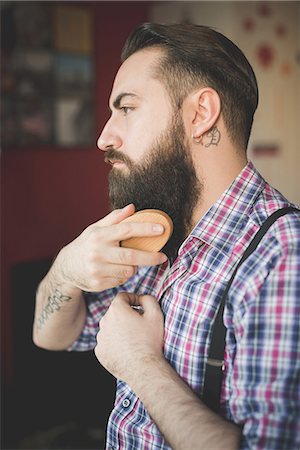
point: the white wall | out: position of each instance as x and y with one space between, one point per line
277 120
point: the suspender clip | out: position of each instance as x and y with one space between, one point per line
216 363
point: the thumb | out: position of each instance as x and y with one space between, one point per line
127 299
117 215
149 304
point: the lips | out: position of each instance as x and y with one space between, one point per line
113 162
116 158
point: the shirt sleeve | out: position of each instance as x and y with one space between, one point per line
96 306
265 378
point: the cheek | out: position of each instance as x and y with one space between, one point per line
143 133
139 143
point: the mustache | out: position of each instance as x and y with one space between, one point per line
112 155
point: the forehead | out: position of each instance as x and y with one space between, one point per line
136 74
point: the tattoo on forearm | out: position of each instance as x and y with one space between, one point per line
54 304
212 137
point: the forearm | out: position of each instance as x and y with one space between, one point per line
185 422
60 311
93 262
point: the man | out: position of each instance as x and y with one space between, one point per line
182 107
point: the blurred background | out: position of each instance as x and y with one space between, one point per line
58 61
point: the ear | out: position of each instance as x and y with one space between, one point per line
205 110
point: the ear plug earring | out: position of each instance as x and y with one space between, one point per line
197 139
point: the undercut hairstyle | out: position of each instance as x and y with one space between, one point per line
195 56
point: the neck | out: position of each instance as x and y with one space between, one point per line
216 173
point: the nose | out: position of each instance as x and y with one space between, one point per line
109 138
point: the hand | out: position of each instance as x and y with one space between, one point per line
130 346
128 338
95 261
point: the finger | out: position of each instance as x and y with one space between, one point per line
127 299
123 301
126 230
117 271
149 304
133 257
105 283
116 216
140 303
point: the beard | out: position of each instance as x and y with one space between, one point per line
164 180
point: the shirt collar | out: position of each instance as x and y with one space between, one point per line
222 223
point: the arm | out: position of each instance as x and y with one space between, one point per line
181 417
93 262
265 369
59 310
130 346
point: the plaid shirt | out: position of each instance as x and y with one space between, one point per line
261 385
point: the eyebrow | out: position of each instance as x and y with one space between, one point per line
120 97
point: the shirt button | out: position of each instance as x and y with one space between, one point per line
126 403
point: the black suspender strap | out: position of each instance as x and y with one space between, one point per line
215 360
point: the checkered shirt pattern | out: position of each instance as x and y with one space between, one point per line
261 384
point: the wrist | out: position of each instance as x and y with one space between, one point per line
146 370
60 274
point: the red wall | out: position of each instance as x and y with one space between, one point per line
50 195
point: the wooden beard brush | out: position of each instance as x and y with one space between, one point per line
152 243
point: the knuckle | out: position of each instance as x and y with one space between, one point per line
94 234
120 281
114 302
126 273
92 271
97 351
95 285
90 231
126 229
95 281
118 298
91 257
131 271
113 306
125 255
101 324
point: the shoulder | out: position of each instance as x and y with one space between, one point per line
276 259
286 229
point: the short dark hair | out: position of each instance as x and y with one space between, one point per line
195 56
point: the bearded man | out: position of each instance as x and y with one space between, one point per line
182 108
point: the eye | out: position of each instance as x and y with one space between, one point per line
126 109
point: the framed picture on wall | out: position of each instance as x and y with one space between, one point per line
35 122
72 29
33 24
73 121
34 73
73 74
47 75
